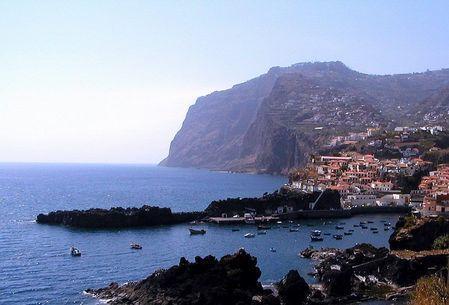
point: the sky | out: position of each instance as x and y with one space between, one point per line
111 81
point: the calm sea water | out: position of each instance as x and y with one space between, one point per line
35 264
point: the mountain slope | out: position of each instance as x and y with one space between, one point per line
273 122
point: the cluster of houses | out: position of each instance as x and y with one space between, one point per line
361 180
435 191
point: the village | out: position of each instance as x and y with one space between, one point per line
366 178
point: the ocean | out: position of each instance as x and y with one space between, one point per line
37 268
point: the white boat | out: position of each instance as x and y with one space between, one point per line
74 251
249 235
316 238
272 249
135 246
262 232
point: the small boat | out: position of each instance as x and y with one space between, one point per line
272 249
339 227
342 223
263 227
293 230
348 233
370 221
279 222
316 238
383 221
262 232
356 226
362 223
373 229
74 251
375 232
364 227
197 232
350 230
338 236
136 246
327 234
235 230
386 228
387 224
316 233
249 235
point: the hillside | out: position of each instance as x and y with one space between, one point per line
273 122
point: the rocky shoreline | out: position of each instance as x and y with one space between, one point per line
118 217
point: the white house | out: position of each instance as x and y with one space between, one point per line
361 200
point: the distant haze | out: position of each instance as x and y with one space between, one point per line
111 81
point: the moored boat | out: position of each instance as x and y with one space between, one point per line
136 246
293 230
249 235
272 249
339 227
74 251
197 232
316 233
235 230
263 227
338 236
262 232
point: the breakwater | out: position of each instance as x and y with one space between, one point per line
144 216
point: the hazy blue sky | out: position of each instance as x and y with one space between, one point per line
111 81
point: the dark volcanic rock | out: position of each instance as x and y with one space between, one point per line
293 289
268 124
417 234
230 281
118 217
269 202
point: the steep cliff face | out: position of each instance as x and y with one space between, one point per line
273 122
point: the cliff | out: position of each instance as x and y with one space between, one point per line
118 217
269 124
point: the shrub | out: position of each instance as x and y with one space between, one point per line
441 243
409 221
430 291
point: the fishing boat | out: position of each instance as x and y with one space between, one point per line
386 228
135 246
338 236
262 232
375 232
339 227
272 249
74 251
249 235
327 234
356 226
348 233
197 232
387 224
351 230
373 229
279 222
370 221
235 230
316 238
362 223
364 227
293 230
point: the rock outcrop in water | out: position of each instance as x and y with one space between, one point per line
364 271
232 280
118 217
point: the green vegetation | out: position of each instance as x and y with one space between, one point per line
441 243
437 157
430 291
409 221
